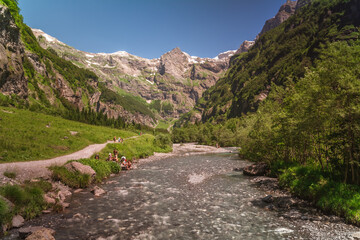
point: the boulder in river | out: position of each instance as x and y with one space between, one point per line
26 232
257 169
97 191
42 234
81 168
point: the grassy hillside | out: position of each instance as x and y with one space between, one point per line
26 136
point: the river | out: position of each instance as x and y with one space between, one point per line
193 197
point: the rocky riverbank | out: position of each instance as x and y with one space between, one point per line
60 194
287 206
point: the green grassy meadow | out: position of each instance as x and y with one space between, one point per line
26 136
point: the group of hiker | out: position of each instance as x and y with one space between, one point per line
119 140
124 163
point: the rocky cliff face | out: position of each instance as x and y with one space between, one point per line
176 78
245 46
12 79
286 11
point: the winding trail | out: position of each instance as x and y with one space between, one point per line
36 169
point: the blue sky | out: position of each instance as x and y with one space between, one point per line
149 28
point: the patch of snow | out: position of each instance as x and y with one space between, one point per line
89 55
45 35
230 53
121 53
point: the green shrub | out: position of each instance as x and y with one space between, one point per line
14 194
41 183
102 168
72 179
11 175
163 141
330 196
4 211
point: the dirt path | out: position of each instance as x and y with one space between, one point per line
35 169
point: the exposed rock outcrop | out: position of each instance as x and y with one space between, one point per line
245 46
257 169
12 79
286 11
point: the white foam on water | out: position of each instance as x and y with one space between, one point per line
123 192
196 178
283 230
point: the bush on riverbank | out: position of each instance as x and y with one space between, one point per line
71 179
103 169
27 200
330 196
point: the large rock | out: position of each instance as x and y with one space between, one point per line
81 168
17 221
97 191
257 169
49 199
27 231
42 234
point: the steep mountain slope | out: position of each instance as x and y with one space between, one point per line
286 11
171 85
12 79
39 79
279 56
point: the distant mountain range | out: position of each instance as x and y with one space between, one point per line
50 75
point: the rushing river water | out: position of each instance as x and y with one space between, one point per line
194 197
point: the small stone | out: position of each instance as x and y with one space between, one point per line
78 190
304 218
238 169
356 235
97 191
65 205
49 199
46 211
73 133
17 221
268 199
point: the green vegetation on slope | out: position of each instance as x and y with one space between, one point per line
79 79
126 100
280 55
25 135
